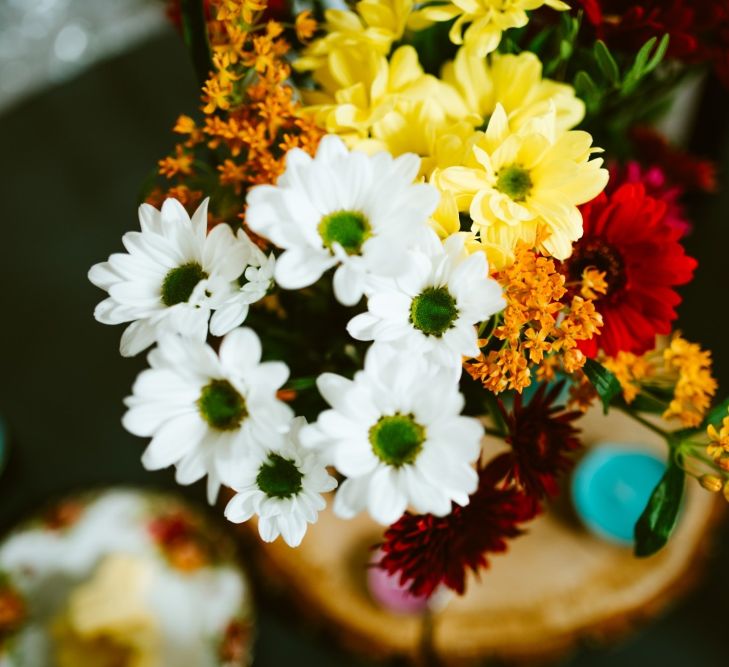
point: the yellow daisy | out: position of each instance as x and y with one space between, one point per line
525 185
375 25
374 103
487 19
446 222
515 82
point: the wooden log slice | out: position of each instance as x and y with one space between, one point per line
556 585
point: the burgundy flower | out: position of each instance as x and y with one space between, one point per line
627 25
542 437
698 30
427 551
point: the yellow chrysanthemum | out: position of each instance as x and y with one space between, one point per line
375 25
375 103
515 82
446 222
488 19
525 185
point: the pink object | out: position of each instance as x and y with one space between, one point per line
387 591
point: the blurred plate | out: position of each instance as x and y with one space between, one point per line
122 578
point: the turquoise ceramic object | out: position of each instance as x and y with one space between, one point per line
611 487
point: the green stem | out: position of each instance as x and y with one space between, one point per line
195 34
647 424
492 406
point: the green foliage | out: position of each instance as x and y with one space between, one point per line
658 520
605 383
620 89
601 81
716 414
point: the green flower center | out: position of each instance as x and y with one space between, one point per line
222 406
179 283
433 311
279 477
397 440
350 229
514 181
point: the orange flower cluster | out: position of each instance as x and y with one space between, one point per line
542 325
681 367
695 386
251 117
12 611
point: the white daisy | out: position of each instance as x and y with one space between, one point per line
206 412
398 436
283 487
344 209
171 277
253 284
431 310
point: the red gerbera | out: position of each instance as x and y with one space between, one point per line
542 436
626 236
658 186
427 551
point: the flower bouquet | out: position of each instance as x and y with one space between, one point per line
396 227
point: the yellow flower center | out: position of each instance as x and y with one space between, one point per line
350 229
221 406
515 182
433 311
397 439
279 477
180 283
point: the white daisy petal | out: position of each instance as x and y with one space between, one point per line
342 208
174 440
172 276
425 312
283 488
209 415
137 336
387 500
389 432
298 268
240 349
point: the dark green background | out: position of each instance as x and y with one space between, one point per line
72 160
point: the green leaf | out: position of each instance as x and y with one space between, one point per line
606 62
299 384
716 414
565 50
642 66
658 520
195 36
658 55
604 381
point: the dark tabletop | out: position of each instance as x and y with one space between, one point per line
72 160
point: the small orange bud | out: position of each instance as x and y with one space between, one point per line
711 483
723 463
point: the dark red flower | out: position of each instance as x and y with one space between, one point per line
427 551
542 437
626 236
656 185
698 30
627 25
682 168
